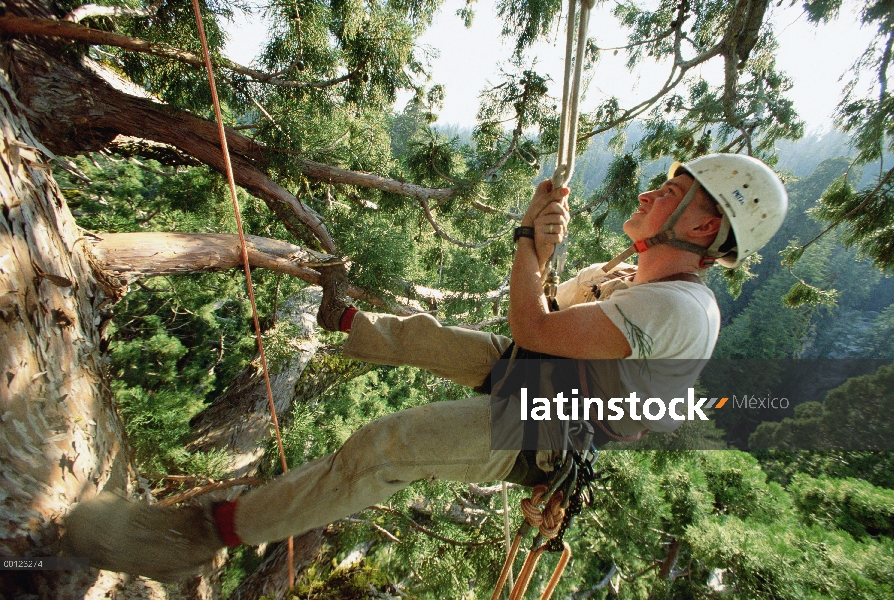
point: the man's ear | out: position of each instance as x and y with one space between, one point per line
708 227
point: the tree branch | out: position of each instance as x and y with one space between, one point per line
378 528
330 174
11 25
165 154
670 559
738 40
495 211
132 256
207 489
673 79
446 236
126 257
431 533
588 593
851 212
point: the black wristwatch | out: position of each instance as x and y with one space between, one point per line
521 232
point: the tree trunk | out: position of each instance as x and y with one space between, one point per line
61 440
270 579
239 420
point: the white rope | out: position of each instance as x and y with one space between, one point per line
571 90
506 530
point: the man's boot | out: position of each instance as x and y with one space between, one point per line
335 293
162 543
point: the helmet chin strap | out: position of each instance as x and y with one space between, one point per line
667 236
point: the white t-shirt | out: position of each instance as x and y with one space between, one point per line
661 320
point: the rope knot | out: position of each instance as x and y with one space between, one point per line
549 520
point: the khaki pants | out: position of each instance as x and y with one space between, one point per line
442 440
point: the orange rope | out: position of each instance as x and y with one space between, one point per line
507 566
549 520
251 292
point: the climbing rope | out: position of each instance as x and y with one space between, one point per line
228 167
571 91
548 519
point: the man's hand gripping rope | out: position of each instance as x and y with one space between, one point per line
548 215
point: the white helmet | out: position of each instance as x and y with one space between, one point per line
750 196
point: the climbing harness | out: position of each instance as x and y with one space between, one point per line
571 91
228 167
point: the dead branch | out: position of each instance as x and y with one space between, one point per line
429 532
131 256
207 489
88 11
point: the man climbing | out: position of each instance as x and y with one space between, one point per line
716 208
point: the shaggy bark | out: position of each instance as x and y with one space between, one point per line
60 438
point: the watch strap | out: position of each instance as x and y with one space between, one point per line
521 232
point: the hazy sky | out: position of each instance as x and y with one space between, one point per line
814 57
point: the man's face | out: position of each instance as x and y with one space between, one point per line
656 206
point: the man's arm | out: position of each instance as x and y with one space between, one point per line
581 331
